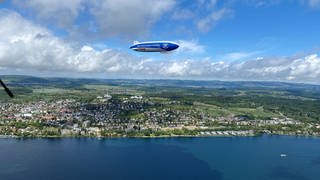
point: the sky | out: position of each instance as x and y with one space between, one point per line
260 40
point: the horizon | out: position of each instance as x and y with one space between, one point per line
159 79
252 40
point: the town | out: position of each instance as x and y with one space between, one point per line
132 116
130 112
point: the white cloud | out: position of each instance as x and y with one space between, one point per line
262 3
190 46
112 18
61 12
207 3
313 3
233 56
26 47
203 13
308 67
134 17
182 14
269 3
106 17
206 23
175 69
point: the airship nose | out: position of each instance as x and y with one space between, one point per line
174 46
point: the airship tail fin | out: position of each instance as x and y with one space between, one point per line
135 42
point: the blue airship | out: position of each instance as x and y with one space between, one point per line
154 46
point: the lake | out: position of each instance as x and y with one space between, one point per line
214 158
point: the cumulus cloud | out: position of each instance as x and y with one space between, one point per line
106 18
119 18
25 46
205 14
61 12
190 46
135 17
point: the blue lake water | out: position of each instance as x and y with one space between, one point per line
223 158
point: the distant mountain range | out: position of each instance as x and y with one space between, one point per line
17 80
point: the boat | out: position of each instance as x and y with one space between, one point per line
283 155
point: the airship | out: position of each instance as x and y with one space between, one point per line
154 46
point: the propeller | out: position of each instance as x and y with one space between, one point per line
6 89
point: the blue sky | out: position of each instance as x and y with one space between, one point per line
220 39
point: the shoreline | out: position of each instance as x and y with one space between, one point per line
152 137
